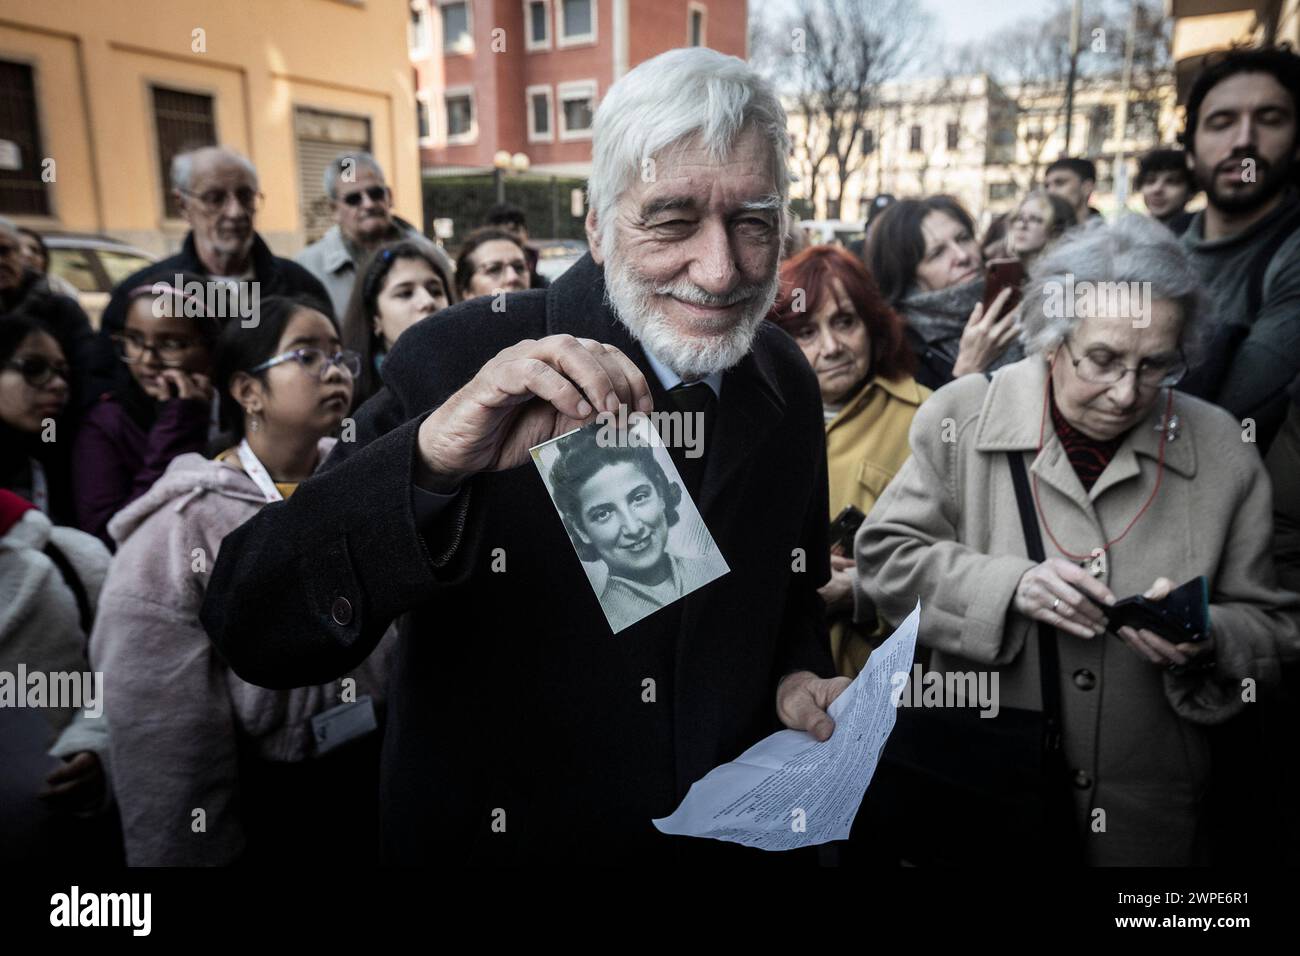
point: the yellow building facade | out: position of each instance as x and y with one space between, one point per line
114 87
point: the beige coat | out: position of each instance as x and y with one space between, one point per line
947 529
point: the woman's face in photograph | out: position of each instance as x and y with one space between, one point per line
624 518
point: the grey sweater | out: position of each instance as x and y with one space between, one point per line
1251 381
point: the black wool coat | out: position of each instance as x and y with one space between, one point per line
519 728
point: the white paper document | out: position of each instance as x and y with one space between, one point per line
788 790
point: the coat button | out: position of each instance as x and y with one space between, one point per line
1082 780
1085 679
342 611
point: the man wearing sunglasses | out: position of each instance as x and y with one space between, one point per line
217 192
363 221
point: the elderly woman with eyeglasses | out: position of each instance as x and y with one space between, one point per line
1135 489
161 406
189 739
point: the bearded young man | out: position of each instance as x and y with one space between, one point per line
520 729
1241 141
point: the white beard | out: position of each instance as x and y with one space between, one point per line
692 357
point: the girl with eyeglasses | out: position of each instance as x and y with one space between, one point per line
161 406
186 731
34 389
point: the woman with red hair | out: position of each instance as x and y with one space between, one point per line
831 306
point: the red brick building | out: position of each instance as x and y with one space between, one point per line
525 76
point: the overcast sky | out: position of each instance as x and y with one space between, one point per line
965 20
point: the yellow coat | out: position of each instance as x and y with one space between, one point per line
866 445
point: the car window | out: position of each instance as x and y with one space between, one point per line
74 266
119 265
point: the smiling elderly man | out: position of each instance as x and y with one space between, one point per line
520 728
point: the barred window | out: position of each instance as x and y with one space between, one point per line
184 121
22 190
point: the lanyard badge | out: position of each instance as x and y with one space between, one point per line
257 471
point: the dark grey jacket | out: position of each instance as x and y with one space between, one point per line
1254 354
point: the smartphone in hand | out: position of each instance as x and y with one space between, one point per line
1003 274
845 528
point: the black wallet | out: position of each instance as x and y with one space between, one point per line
1183 616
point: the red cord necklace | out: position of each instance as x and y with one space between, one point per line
1160 471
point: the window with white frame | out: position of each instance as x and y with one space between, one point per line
418 26
458 107
540 109
577 109
695 18
457 31
577 22
537 24
423 118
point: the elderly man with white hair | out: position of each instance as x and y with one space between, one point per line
1131 488
363 221
520 729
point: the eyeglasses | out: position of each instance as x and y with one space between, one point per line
316 362
375 194
170 351
1164 373
37 371
214 200
495 270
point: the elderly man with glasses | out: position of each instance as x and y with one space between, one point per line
216 190
363 221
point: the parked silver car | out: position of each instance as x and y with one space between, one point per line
93 265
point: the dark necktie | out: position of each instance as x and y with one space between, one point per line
697 399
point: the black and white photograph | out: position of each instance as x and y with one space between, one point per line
638 534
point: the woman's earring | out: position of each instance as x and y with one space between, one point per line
252 421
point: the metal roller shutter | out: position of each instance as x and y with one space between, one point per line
321 136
